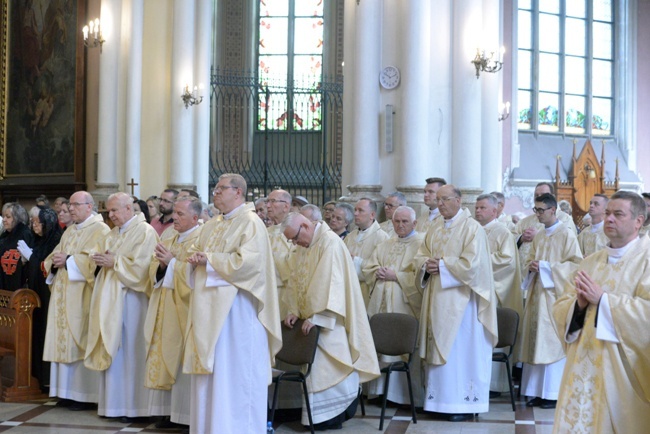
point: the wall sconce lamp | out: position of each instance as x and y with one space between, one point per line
93 35
504 111
487 63
589 172
191 98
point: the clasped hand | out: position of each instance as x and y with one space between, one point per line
588 291
432 266
106 259
291 319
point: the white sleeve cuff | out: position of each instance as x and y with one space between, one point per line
447 280
74 274
526 282
323 320
605 330
358 260
168 280
545 274
214 279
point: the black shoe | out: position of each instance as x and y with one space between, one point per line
375 401
494 394
535 402
185 430
82 406
548 403
165 422
126 419
64 402
461 417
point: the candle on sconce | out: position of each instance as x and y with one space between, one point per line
508 107
85 32
91 25
96 27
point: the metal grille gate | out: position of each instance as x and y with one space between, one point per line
303 162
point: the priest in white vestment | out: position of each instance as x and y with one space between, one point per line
391 276
71 278
603 319
393 200
458 327
502 217
431 202
362 241
166 319
507 277
554 255
527 228
323 289
593 238
118 307
233 327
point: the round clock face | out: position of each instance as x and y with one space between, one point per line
389 77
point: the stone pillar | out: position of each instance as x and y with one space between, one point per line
107 129
361 96
415 142
414 197
466 94
182 126
203 55
133 122
492 147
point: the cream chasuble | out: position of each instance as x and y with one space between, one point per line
67 322
403 296
463 247
239 250
133 250
166 320
592 239
425 221
505 266
532 221
506 220
323 281
281 248
387 226
606 381
361 244
540 337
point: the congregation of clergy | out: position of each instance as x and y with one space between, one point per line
177 313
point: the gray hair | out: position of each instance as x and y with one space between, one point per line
195 204
491 198
500 197
290 219
260 200
236 180
34 212
401 199
315 214
410 210
637 204
349 211
18 211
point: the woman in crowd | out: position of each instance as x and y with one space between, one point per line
65 219
47 234
13 272
140 205
153 203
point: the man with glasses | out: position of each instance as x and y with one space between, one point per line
233 331
71 276
394 200
553 256
167 199
362 241
527 228
458 326
324 291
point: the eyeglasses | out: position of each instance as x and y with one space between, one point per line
166 200
390 205
295 239
540 210
220 188
446 199
76 204
275 201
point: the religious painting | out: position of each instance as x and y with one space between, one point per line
42 94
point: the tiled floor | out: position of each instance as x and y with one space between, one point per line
43 417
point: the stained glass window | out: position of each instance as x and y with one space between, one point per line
565 66
290 64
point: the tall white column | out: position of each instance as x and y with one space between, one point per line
361 93
466 95
107 134
492 149
204 18
413 112
133 121
182 149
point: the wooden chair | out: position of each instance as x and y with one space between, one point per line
508 323
395 334
300 350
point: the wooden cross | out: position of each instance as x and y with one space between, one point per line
132 185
